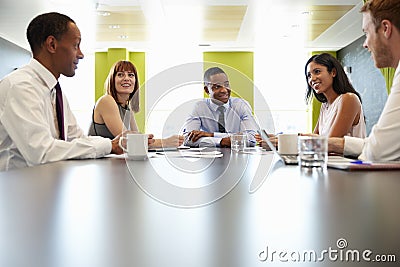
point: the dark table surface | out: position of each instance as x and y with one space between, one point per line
238 210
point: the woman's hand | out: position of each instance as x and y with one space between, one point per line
308 134
172 141
272 138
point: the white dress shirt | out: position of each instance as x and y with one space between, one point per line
28 134
383 143
204 117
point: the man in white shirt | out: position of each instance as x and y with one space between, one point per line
214 118
29 131
381 25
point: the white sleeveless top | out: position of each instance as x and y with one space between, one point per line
327 116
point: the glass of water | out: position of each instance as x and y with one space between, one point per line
313 151
238 142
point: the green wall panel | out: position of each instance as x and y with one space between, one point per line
139 60
116 54
101 72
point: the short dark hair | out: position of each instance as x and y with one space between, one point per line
383 9
45 25
212 71
341 83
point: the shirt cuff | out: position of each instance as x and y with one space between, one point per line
353 146
221 135
102 145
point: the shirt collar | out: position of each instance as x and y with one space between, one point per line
47 77
214 106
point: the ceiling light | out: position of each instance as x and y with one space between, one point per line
123 36
307 13
103 13
114 26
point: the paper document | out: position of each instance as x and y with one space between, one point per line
338 162
193 154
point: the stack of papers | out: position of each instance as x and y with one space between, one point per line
342 163
193 153
162 149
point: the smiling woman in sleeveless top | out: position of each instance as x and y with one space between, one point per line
341 110
114 112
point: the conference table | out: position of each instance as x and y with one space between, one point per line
241 209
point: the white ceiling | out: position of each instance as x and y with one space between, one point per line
177 21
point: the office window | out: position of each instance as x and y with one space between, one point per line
80 91
174 76
280 82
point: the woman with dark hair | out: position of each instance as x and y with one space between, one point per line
114 112
341 110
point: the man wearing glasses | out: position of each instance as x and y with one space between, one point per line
214 118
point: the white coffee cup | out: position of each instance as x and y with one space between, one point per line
287 144
136 146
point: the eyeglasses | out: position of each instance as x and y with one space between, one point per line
216 86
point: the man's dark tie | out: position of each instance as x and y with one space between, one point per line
221 119
60 111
